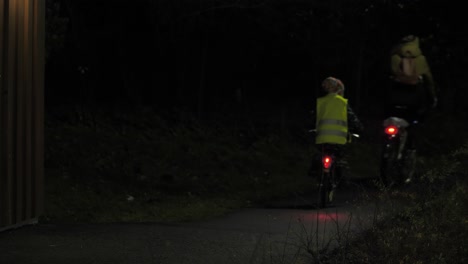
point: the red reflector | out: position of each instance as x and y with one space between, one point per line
327 162
391 130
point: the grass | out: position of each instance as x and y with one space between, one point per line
429 225
140 166
428 220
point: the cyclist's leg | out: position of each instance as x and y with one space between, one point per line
316 162
414 116
341 162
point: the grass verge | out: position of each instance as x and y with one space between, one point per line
428 222
140 166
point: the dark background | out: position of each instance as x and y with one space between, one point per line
243 58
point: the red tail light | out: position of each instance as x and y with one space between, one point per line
391 130
327 161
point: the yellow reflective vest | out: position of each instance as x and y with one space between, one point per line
332 119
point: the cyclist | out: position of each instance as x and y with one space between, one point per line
411 91
334 118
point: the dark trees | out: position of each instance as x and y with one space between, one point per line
221 56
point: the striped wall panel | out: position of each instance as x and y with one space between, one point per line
22 33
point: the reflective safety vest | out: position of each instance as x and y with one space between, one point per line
332 120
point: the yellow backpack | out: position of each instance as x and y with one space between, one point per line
407 73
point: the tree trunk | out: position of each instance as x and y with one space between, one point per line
359 93
201 88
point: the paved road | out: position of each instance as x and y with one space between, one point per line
279 233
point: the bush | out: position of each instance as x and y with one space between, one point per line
429 224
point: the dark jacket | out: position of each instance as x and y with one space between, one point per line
354 124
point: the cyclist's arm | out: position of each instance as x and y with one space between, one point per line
354 124
428 78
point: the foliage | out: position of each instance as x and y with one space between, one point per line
165 53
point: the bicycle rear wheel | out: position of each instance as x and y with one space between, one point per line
389 167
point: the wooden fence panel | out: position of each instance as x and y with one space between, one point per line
22 33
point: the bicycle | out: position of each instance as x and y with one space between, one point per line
398 162
331 163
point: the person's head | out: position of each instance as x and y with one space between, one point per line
408 38
333 85
405 41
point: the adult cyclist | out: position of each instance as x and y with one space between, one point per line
411 91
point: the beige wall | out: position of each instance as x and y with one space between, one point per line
22 33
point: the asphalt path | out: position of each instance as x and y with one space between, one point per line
291 230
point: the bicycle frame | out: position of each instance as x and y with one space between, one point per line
329 161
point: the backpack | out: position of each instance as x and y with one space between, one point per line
407 73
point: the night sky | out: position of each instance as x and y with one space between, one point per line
263 56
